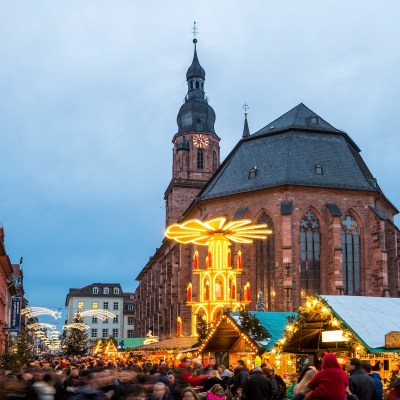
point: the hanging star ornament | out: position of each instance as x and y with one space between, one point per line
200 232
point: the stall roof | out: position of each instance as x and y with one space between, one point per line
370 318
177 343
131 342
274 322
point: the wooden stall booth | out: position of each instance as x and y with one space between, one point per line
350 326
228 342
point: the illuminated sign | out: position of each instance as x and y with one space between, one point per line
332 336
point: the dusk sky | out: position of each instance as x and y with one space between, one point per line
90 90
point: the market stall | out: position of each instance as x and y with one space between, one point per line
232 339
350 326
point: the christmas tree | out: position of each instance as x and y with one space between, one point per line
202 327
76 341
19 353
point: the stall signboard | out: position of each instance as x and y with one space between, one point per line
332 336
15 320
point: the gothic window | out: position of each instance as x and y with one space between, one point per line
310 253
197 84
350 236
265 265
200 159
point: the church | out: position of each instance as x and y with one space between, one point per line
333 230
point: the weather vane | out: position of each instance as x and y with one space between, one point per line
245 108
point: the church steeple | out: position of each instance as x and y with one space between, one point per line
196 151
246 130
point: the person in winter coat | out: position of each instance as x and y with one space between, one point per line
277 383
331 382
258 386
360 384
213 379
241 374
302 389
366 366
394 394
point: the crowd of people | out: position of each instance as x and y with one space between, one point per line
88 378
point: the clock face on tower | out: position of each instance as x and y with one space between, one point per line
200 141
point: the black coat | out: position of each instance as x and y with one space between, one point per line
362 385
258 387
240 378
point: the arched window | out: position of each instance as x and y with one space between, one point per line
350 236
197 84
265 264
200 159
310 253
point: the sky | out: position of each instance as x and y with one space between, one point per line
90 91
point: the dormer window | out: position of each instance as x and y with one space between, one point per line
313 120
130 307
106 290
318 169
116 290
253 173
95 290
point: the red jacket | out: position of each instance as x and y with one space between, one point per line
331 382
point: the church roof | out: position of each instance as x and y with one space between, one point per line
298 148
195 68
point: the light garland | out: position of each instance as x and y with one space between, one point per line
40 325
97 313
77 325
31 312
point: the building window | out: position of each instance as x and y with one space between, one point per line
81 305
115 305
116 290
94 320
350 237
318 169
253 173
214 161
105 321
310 253
130 307
265 264
95 290
105 305
116 319
115 332
95 305
105 332
131 321
94 333
130 333
313 120
106 290
200 159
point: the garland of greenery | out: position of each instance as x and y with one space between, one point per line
252 327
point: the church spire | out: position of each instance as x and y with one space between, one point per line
246 130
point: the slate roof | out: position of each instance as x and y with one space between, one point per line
369 318
287 152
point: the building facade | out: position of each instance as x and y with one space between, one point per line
98 296
333 227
